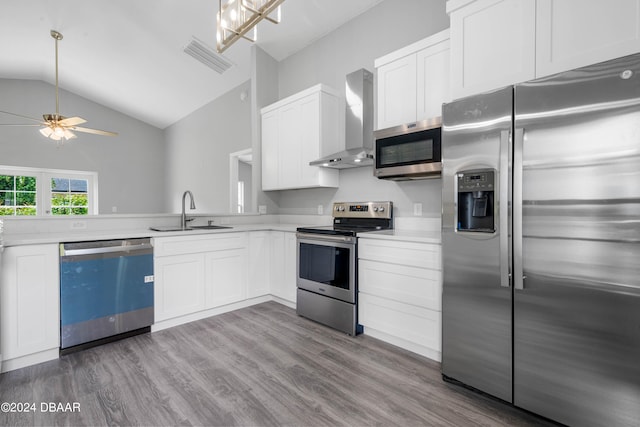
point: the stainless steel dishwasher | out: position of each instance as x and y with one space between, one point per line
106 291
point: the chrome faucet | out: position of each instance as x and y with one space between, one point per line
183 218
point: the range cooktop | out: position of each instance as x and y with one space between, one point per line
350 218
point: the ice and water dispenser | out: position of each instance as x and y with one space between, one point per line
476 200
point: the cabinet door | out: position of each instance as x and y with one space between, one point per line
433 82
270 152
290 267
410 285
29 300
283 260
179 285
290 147
309 142
397 92
492 45
226 277
259 248
276 262
575 33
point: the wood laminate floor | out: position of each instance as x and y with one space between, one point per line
259 366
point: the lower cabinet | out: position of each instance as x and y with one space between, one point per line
195 273
179 286
400 293
29 305
259 265
225 277
283 265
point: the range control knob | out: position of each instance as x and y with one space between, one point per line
375 209
341 208
381 209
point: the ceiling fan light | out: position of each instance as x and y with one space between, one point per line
68 134
46 131
59 131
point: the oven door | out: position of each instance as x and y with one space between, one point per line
327 265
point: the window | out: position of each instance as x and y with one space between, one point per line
30 191
69 196
240 196
18 195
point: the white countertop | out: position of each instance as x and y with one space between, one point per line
86 235
34 233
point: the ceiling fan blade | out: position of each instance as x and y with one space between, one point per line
71 121
24 117
20 124
94 131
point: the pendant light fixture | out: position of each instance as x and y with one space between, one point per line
238 19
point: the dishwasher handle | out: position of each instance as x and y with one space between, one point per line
105 247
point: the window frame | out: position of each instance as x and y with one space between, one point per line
43 187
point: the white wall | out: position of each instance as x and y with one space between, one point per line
133 161
198 149
264 91
389 26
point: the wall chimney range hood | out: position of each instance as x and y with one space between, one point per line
358 124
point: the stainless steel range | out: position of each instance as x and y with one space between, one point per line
327 275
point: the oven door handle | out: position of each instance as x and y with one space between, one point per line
325 237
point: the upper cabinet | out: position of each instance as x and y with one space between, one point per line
495 43
297 130
492 44
413 82
575 33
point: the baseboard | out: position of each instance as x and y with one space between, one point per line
402 343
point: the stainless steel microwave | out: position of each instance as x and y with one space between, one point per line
411 151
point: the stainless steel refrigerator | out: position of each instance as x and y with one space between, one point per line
541 244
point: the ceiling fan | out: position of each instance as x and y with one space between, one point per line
55 126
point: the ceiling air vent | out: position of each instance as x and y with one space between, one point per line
203 53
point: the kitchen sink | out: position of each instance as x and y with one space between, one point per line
208 227
192 227
169 228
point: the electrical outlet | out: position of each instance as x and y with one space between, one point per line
78 225
114 209
417 209
262 209
320 210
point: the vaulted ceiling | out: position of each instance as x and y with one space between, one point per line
128 54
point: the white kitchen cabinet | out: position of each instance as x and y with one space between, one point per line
259 266
413 82
492 44
298 130
226 277
400 293
290 267
575 33
283 265
195 273
496 43
179 287
270 149
29 305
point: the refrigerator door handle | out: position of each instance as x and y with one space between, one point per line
503 207
518 273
